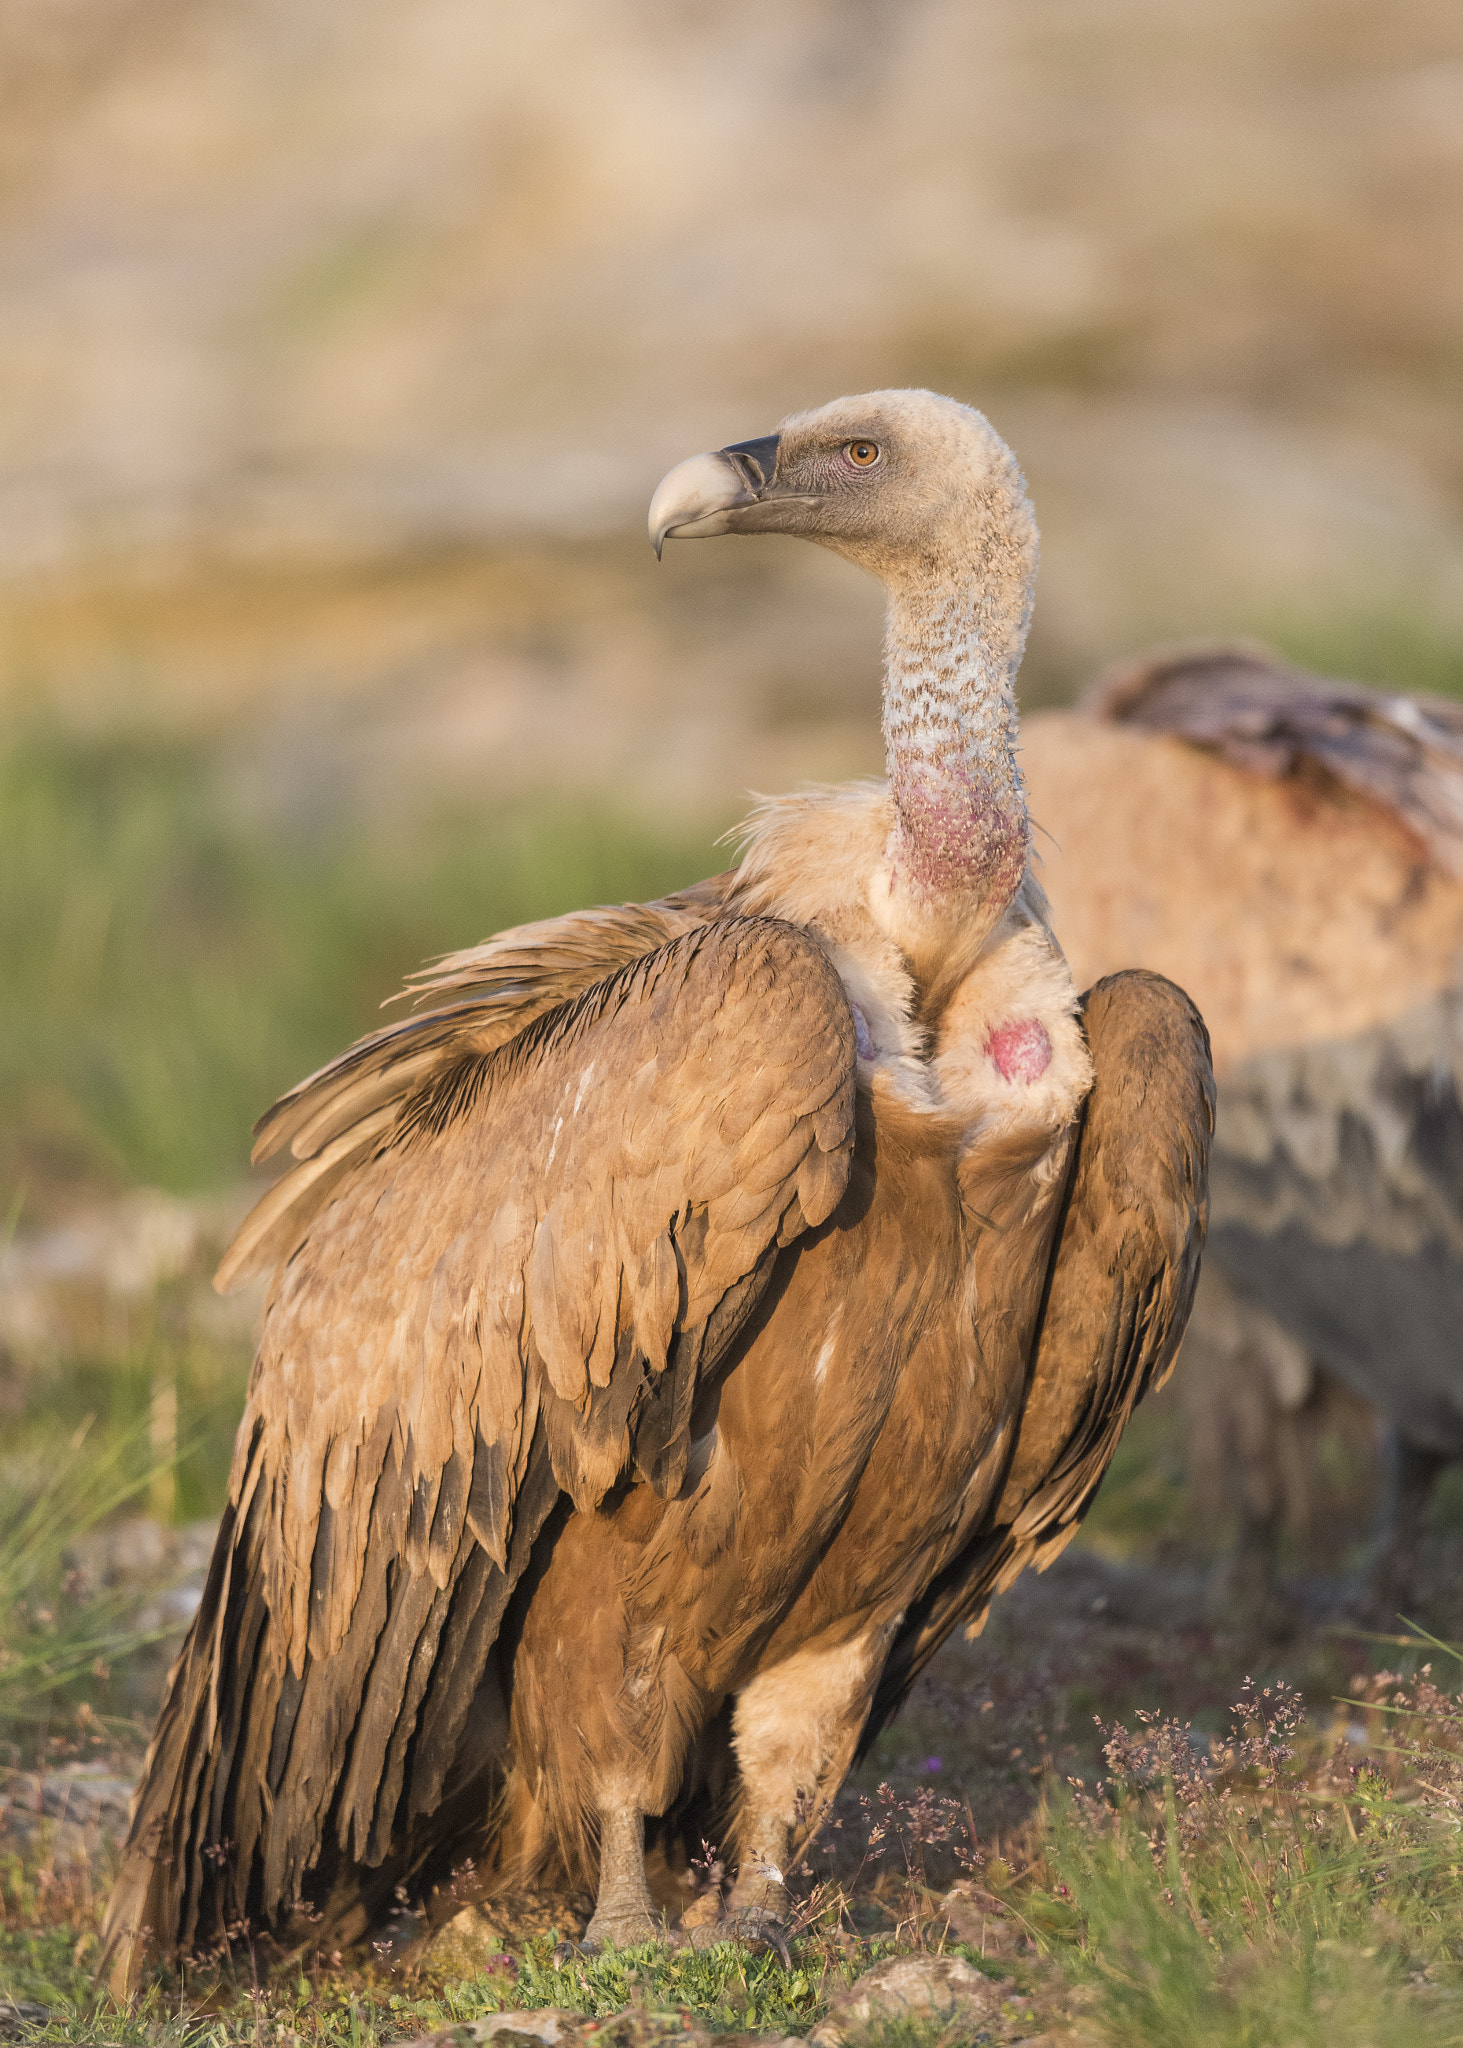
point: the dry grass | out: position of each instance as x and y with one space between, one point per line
1271 1886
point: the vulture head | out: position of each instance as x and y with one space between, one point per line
922 492
907 484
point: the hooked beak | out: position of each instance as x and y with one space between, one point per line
701 496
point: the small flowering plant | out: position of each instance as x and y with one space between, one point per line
1278 1833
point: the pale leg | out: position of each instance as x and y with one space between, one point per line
795 1727
624 1911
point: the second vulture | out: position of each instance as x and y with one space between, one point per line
693 1312
1291 847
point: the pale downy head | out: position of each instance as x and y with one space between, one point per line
905 483
922 492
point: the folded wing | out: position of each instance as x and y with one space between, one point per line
1121 1285
543 1245
1405 753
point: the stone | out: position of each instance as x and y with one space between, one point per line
472 1944
976 1918
553 2026
550 2025
70 1812
944 1989
18 2016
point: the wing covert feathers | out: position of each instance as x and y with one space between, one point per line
1119 1292
334 1119
537 1245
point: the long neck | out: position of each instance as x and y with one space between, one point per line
951 651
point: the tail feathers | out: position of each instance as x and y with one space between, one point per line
162 1887
266 1792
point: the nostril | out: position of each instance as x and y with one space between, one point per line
756 459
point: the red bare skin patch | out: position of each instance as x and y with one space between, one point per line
1021 1049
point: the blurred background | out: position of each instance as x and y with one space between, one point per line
340 350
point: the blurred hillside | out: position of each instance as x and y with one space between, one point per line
340 348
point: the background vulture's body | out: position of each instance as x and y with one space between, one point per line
1291 848
684 1322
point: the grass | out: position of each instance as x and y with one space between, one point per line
61 1635
203 1385
1286 1885
174 960
726 1988
1274 1889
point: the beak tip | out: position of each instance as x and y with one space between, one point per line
697 497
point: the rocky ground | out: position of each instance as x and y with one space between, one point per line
1062 1656
931 1845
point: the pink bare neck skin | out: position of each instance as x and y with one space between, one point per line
952 647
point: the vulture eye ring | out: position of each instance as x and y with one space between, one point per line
862 454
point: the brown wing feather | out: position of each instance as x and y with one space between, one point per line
334 1118
517 1291
1337 1190
1121 1285
1404 752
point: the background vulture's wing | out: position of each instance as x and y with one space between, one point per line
1337 1181
1404 752
540 1249
1121 1283
1337 1210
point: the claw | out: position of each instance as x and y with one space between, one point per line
631 1936
752 1927
759 1909
756 1929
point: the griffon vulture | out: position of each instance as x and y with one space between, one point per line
694 1310
1291 848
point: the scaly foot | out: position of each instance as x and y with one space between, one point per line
757 1914
612 1930
756 1927
624 1913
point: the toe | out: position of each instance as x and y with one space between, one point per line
759 1930
622 1932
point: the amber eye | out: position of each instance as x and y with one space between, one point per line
862 453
